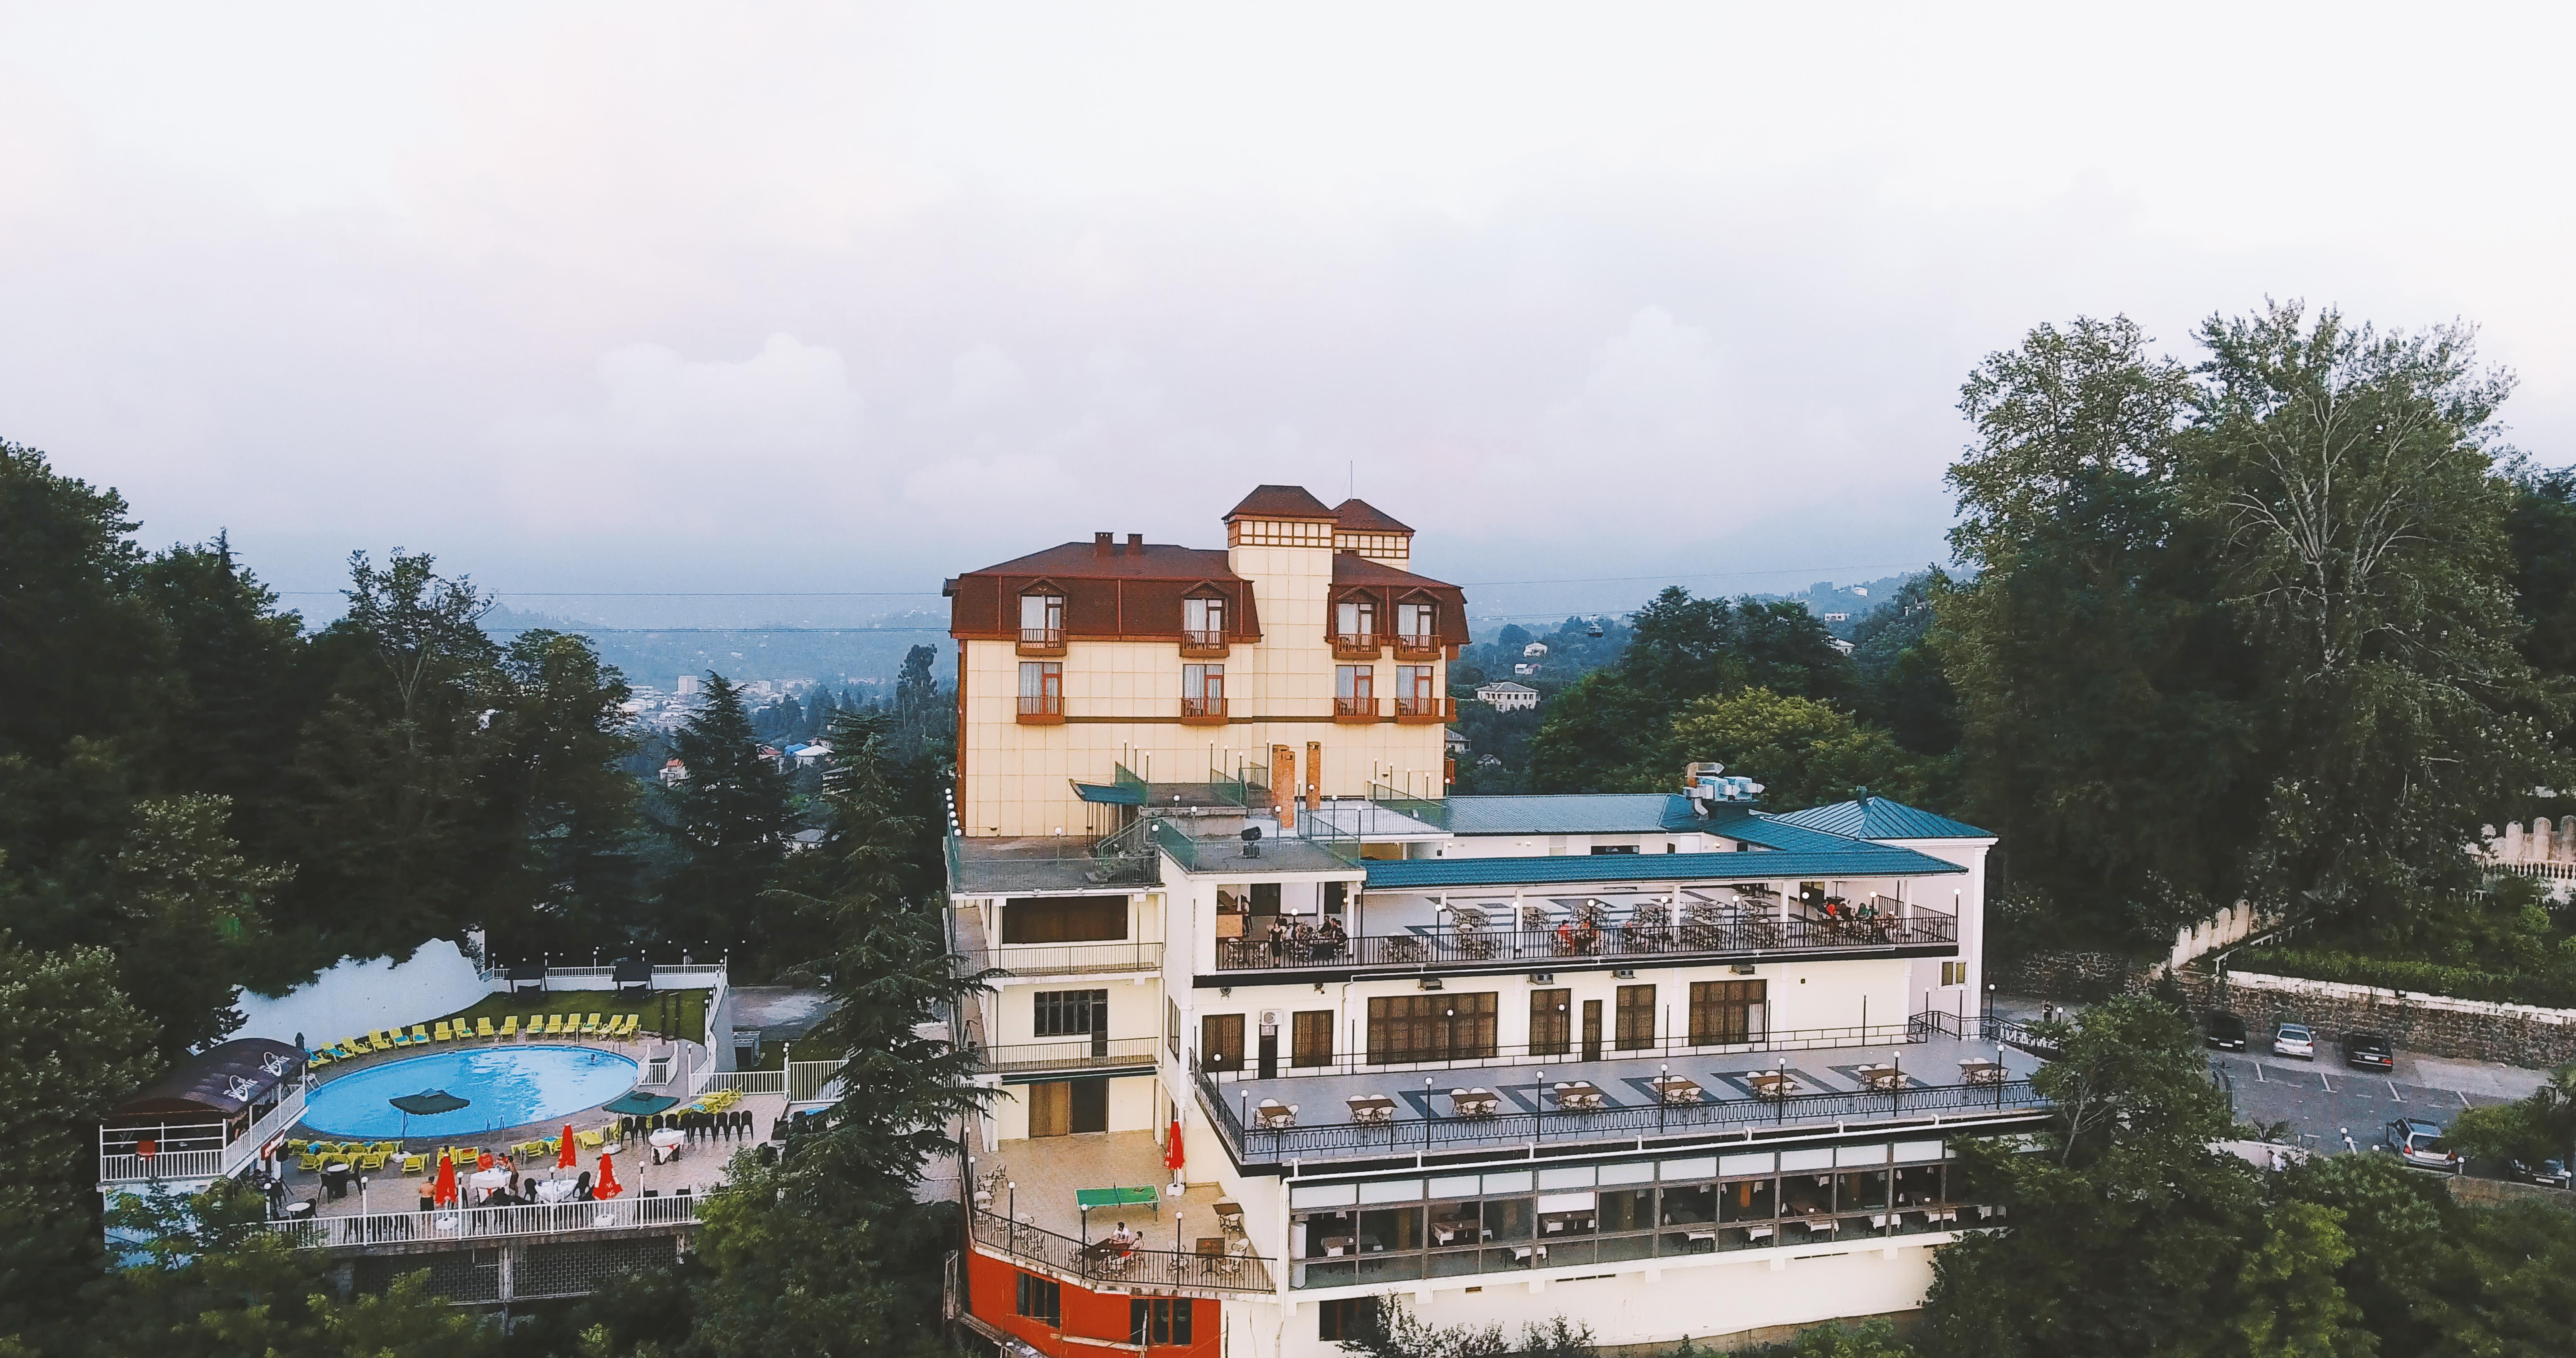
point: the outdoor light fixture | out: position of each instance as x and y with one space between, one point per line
1431 983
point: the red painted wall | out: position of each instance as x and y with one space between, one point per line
993 1290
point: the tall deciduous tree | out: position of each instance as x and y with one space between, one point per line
2103 695
187 912
2349 480
1802 751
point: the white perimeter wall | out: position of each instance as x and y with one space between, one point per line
357 997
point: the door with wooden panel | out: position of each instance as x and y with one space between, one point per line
1050 1107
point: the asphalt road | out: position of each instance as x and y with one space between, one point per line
2319 1098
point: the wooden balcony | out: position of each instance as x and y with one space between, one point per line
1041 641
1046 709
1418 648
1424 711
1354 646
1353 711
1202 645
1202 711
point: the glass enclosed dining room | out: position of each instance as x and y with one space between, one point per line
1441 1226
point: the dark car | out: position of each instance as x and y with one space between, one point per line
2552 1173
2368 1051
2225 1031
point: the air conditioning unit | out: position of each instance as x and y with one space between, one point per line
1270 1018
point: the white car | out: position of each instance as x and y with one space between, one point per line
2294 1039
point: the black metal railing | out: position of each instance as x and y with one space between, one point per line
1459 947
1096 1263
1072 1053
1982 1028
1259 1145
1735 1039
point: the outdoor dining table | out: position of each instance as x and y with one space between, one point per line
1580 1095
1981 1072
1675 1089
1229 1215
1473 1103
1882 1077
666 1143
1771 1085
554 1190
1371 1108
1273 1113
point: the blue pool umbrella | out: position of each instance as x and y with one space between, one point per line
638 1103
426 1103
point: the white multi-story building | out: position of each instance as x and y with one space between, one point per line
1667 1063
1506 696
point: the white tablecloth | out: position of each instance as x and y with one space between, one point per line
554 1190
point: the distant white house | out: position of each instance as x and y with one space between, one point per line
1535 648
1504 696
1841 647
1861 590
1838 617
1524 669
674 773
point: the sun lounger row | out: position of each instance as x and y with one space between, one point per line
618 1028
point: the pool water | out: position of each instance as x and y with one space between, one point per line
509 1086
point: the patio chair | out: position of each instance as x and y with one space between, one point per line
316 1060
554 1025
483 1027
633 1022
420 1034
415 1164
309 1160
590 1026
442 1034
510 1026
372 1161
590 1139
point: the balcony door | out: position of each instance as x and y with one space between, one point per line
1064 1107
1592 1030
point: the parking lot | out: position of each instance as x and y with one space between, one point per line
2320 1098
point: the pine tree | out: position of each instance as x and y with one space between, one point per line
731 819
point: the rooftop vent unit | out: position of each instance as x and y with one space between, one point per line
1709 786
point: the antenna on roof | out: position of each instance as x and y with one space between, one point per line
1351 481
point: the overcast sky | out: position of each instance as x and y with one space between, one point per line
628 297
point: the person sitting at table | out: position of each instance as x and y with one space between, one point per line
1587 938
1123 1240
1333 936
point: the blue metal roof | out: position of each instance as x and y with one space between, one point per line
1113 794
1879 818
1853 859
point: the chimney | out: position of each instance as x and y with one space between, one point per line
1283 784
1314 774
1100 544
1135 542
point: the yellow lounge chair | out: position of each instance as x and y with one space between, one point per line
510 1026
442 1034
383 1039
415 1164
633 1022
589 1140
316 1061
483 1028
590 1026
420 1034
310 1159
554 1025
372 1161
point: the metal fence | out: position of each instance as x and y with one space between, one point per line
813 1081
1362 1060
1021 959
1433 1135
1072 1054
1097 1264
749 1081
193 1150
488 1223
1741 937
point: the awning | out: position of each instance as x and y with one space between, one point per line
224 1079
1111 794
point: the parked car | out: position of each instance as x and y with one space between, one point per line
2225 1031
2419 1143
2368 1051
2552 1173
2295 1039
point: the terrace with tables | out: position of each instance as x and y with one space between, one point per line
1029 1207
1786 1083
1509 927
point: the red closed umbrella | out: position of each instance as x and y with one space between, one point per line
1173 1158
607 1187
444 1191
564 1157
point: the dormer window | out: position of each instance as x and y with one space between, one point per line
1203 621
1414 622
1042 619
1356 619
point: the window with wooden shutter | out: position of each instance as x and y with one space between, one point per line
1221 1042
1726 1011
1551 1021
1635 1029
1311 1038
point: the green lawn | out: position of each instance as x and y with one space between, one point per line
691 1021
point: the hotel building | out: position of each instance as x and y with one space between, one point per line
1667 1063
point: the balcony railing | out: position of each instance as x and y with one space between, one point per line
1041 641
1417 647
1196 642
1042 707
1458 948
1067 959
1683 1046
1077 1053
193 1151
1208 710
1355 709
1425 709
1355 646
1142 1270
488 1223
1424 1136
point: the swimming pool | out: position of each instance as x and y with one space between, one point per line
509 1086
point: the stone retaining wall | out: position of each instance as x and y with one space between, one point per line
2438 1025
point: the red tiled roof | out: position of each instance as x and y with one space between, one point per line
1147 561
1359 516
1279 502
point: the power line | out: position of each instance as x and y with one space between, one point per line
724 631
